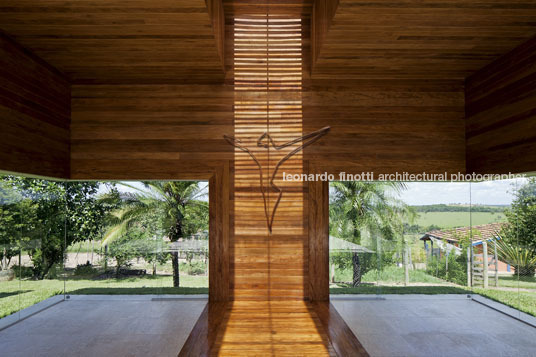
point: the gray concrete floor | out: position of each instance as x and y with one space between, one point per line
105 326
434 325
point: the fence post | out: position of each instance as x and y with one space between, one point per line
485 263
496 263
469 267
447 261
406 266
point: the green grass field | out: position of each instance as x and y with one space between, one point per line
457 219
390 274
522 300
512 282
404 290
16 295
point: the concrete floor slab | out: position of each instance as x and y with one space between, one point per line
434 325
101 326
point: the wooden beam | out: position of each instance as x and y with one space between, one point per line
217 16
323 13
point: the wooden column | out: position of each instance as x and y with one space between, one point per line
485 263
319 240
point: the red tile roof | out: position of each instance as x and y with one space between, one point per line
482 232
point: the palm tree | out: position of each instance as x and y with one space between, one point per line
370 206
170 199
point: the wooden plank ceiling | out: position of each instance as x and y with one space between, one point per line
291 8
121 41
421 39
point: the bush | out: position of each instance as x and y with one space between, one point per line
23 271
84 269
196 267
457 268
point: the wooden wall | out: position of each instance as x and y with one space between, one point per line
386 125
34 114
501 114
148 131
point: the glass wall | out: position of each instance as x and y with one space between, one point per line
434 238
32 240
59 239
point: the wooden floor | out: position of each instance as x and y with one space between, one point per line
271 328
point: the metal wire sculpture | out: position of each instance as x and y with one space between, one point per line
306 140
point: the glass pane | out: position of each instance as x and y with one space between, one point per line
511 252
411 237
150 238
39 213
10 234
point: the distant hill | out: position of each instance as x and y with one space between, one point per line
460 208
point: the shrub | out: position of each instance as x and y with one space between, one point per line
457 268
23 271
84 269
196 267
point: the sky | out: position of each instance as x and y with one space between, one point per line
427 193
138 184
484 193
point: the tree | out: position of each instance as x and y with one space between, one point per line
371 206
65 212
521 217
16 215
174 201
519 235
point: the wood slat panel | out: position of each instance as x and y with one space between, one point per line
501 114
34 113
267 81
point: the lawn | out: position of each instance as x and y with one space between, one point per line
428 290
458 219
391 274
16 295
512 282
523 300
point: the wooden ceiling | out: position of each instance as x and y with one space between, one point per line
301 8
181 41
119 41
421 38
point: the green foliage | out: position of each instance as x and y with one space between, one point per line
457 268
368 261
85 270
22 272
52 215
177 204
518 239
370 206
521 259
521 229
195 267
